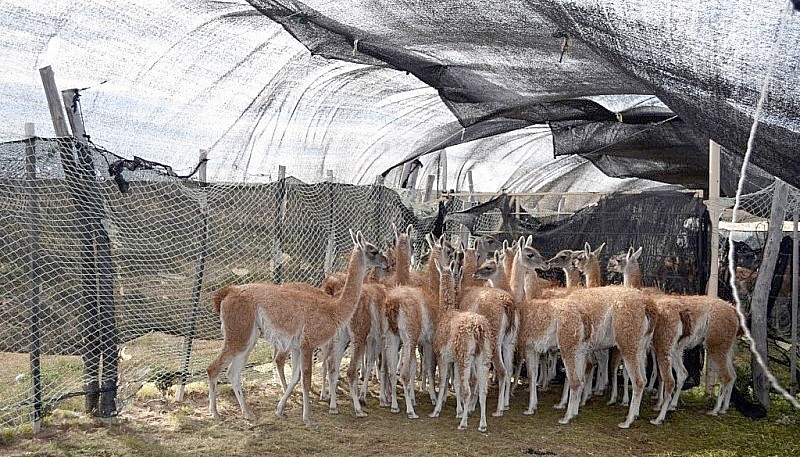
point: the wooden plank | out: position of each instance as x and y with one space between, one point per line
54 101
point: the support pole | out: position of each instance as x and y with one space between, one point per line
443 171
70 97
429 189
760 297
330 247
712 288
470 186
194 302
34 266
795 287
277 256
54 101
97 273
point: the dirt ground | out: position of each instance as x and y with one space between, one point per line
155 426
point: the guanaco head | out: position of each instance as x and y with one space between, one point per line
619 263
530 257
586 258
489 270
371 255
486 245
563 259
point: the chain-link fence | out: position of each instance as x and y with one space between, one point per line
107 266
104 290
747 230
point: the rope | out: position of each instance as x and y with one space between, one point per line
731 266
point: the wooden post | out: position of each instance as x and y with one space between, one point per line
277 257
194 301
34 266
54 101
443 171
72 174
795 287
98 271
429 189
330 247
75 119
712 288
470 186
760 297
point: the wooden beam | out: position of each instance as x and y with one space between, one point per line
75 119
713 212
54 101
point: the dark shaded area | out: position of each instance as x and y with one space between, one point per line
503 66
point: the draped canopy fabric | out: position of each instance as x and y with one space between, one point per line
527 95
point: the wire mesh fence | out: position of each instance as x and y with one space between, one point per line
106 275
104 290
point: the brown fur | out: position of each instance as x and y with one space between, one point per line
415 312
469 268
363 333
463 339
292 319
564 260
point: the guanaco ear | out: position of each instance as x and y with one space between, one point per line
505 245
497 257
353 236
360 239
597 251
587 250
529 241
453 266
396 234
408 230
520 242
634 255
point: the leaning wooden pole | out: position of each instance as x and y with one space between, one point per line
194 302
34 268
54 101
760 298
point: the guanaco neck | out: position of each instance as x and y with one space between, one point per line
351 292
402 261
573 276
632 275
447 295
433 273
470 267
592 274
516 281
